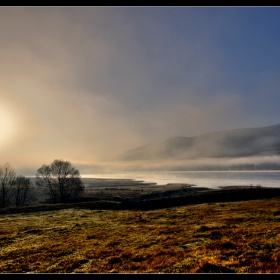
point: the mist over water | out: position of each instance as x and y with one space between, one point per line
209 179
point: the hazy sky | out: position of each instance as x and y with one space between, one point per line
87 83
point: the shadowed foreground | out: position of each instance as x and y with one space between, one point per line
240 237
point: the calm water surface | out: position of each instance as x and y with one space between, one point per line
210 179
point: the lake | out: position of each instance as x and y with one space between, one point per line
210 179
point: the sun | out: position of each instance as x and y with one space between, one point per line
18 122
7 126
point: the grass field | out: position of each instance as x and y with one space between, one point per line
241 237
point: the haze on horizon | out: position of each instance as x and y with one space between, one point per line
86 84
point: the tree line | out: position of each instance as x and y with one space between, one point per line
60 180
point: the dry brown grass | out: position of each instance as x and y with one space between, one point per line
242 237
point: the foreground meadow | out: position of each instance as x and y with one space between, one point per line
242 237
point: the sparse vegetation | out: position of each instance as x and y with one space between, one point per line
241 237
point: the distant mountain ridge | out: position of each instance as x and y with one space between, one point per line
227 143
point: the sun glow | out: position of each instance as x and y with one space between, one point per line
7 127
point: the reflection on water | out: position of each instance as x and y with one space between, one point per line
210 179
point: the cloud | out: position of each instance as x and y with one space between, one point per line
88 83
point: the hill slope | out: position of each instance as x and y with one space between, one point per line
228 143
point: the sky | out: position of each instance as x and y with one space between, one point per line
86 84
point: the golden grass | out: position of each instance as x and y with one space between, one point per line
242 237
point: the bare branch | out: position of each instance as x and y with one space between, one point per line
62 180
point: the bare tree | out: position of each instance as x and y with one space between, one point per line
22 191
62 180
7 181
